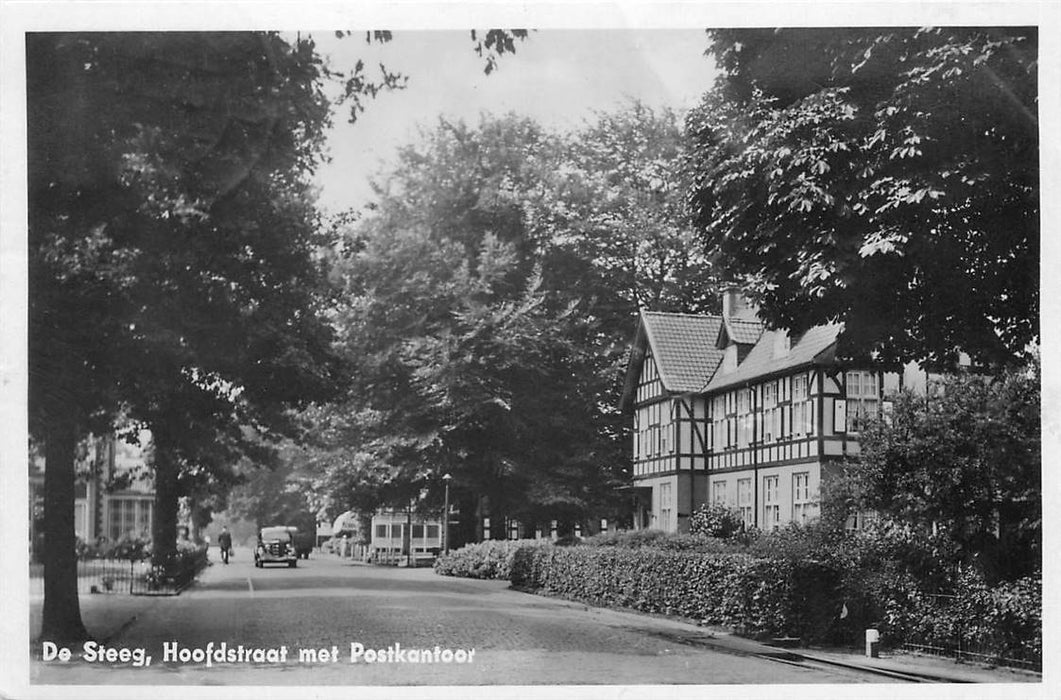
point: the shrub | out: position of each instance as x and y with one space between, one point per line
130 548
751 595
715 520
657 539
1005 620
626 538
179 568
491 559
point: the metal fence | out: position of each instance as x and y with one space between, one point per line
395 557
120 576
957 640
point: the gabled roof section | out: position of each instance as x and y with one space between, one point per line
683 346
739 331
816 346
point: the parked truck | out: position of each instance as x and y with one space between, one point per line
304 541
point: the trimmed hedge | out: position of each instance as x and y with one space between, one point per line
491 559
786 596
657 539
753 596
795 582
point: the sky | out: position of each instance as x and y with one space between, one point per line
558 77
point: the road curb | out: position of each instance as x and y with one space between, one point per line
897 670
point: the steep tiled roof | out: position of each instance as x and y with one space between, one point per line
684 348
687 353
743 331
814 345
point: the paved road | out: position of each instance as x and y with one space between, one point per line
333 606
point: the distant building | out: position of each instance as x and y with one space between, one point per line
392 527
728 412
114 491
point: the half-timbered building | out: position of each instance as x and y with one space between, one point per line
728 412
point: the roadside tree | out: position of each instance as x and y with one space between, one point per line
887 178
171 249
173 252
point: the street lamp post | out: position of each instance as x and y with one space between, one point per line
445 516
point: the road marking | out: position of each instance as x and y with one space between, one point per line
250 585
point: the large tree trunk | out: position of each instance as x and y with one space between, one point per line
164 529
62 610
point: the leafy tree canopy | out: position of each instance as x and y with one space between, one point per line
886 178
173 251
490 295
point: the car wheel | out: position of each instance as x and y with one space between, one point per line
293 563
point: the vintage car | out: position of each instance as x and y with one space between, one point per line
276 545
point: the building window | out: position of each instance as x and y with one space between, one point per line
744 401
801 504
418 530
744 430
772 503
143 516
128 517
432 532
863 399
744 501
665 504
772 424
801 406
860 519
800 412
769 394
81 520
718 492
718 407
381 531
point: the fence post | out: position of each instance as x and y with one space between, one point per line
961 634
872 643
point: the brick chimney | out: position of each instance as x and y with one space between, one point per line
734 305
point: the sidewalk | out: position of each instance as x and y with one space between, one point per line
104 615
944 669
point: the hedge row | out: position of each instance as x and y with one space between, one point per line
491 559
785 585
769 597
752 596
1005 620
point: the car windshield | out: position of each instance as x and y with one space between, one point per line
275 533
